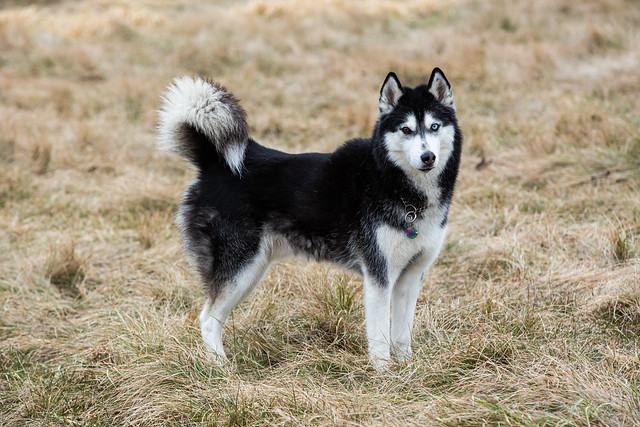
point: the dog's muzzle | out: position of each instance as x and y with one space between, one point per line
428 160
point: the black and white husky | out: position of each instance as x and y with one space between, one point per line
376 206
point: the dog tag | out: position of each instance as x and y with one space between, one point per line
411 232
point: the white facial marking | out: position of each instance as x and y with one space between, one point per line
406 150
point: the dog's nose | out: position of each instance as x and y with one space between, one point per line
428 158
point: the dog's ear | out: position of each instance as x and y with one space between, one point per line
390 93
440 88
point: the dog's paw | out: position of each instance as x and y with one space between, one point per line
219 359
402 352
216 353
380 364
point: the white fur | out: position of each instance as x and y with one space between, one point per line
403 305
389 95
196 102
390 310
405 151
441 90
214 315
234 156
377 311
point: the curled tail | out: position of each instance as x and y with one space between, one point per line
202 122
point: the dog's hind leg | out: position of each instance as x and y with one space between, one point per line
211 329
216 310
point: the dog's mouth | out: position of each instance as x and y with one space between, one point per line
426 169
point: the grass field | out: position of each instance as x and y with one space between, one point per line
531 316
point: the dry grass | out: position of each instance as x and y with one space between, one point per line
531 316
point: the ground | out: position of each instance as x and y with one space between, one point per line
530 316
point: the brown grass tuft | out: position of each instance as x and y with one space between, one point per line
65 270
623 243
42 158
621 308
7 149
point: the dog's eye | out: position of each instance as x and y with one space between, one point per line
435 126
406 130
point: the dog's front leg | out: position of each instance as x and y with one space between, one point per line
377 308
403 305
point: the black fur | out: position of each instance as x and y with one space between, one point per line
325 205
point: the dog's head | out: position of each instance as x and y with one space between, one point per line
418 125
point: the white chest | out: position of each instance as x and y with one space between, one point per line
399 250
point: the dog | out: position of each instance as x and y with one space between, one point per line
377 206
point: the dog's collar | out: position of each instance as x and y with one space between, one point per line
410 216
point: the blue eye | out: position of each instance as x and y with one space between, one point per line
435 126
